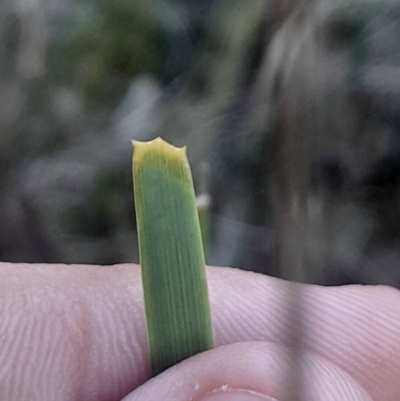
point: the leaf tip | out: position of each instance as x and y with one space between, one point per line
157 146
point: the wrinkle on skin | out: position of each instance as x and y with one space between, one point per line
78 332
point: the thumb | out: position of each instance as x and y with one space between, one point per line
251 371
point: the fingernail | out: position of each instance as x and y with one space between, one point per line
235 395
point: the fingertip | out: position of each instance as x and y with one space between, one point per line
226 394
252 371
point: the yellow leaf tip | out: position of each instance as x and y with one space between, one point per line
157 145
156 142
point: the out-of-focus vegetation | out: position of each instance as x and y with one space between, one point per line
107 44
293 106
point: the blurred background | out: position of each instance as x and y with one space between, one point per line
290 112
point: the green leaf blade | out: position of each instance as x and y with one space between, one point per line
171 255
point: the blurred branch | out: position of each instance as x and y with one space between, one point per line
32 39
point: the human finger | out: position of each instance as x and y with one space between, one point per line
250 371
79 332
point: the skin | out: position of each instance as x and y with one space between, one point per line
72 333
